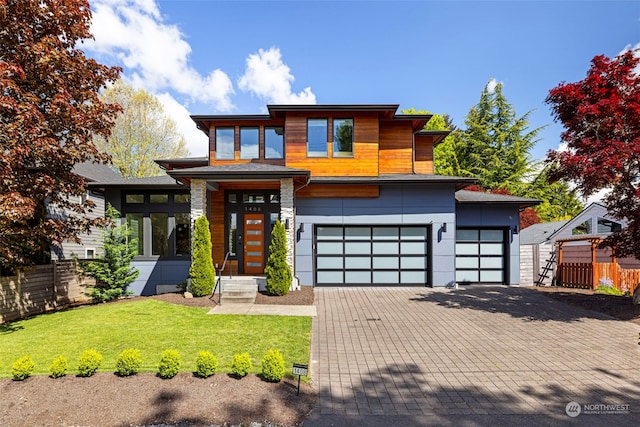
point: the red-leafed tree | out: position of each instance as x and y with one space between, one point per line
601 117
49 111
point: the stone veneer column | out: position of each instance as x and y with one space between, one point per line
287 214
198 202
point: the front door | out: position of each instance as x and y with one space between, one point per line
253 243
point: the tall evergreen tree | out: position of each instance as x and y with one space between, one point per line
277 271
495 145
202 272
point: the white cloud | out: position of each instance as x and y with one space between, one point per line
197 141
491 85
134 33
270 79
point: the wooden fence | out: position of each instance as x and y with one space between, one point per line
42 288
590 275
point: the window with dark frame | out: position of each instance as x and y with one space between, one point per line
274 142
225 143
317 138
249 143
343 137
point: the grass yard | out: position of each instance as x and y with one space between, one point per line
151 326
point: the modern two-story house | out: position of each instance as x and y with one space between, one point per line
355 188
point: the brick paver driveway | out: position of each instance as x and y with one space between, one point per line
476 351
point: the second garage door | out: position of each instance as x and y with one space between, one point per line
372 255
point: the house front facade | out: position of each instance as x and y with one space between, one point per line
354 187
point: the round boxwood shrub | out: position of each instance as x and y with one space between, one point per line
59 367
169 364
129 362
89 363
241 365
273 366
22 368
206 364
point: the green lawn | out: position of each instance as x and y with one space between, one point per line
151 326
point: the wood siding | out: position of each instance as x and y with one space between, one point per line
365 150
396 148
424 154
338 191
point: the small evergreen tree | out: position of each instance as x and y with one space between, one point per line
113 270
202 271
277 270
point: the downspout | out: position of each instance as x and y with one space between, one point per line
295 222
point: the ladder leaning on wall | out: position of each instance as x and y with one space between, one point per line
544 274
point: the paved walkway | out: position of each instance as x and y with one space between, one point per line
475 355
262 309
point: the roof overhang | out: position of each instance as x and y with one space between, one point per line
459 182
480 198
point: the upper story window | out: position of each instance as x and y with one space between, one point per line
608 226
274 142
249 143
343 137
582 228
225 143
316 137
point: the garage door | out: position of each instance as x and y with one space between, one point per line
371 255
480 256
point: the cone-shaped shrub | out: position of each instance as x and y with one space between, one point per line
202 272
273 366
277 271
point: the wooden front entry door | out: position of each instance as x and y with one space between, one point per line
253 243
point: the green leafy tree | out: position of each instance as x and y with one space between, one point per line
202 271
277 271
49 105
113 271
495 144
141 134
559 200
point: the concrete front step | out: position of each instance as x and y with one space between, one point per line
239 290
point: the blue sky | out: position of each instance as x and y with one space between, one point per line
222 57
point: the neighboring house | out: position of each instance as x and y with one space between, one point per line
91 243
354 187
538 241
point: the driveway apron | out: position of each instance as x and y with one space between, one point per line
479 351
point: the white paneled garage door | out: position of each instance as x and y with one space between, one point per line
371 255
480 256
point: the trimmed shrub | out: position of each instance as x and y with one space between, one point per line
273 366
241 365
277 271
206 364
22 368
129 362
202 272
89 362
59 367
169 364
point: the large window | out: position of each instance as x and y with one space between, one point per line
160 221
159 234
317 137
274 142
135 222
225 144
343 137
582 228
249 143
608 226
